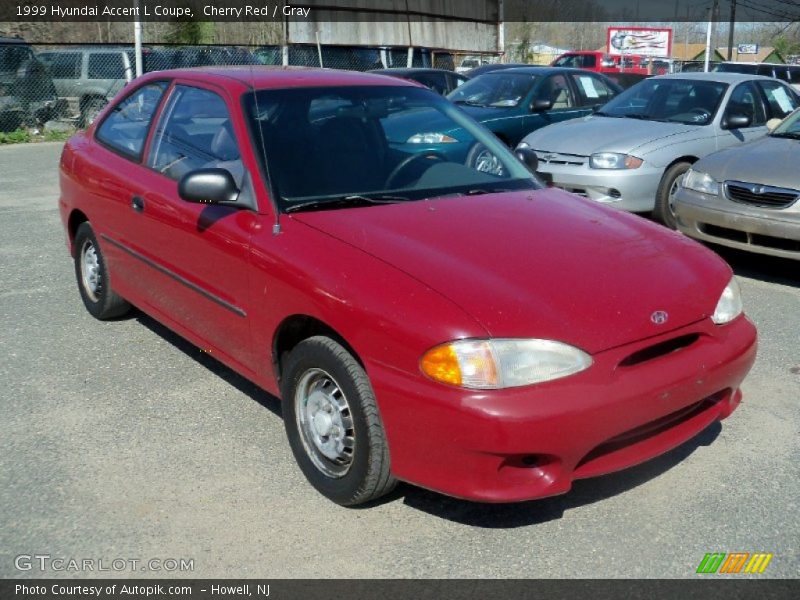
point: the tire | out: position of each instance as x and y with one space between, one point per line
664 211
333 424
94 282
482 159
91 110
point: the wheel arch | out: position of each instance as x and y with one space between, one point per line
296 328
76 218
687 159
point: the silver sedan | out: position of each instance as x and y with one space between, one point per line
633 151
747 197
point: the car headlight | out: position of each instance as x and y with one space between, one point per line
613 160
502 363
730 304
700 182
431 138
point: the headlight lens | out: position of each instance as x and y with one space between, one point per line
612 160
730 304
431 138
502 363
700 182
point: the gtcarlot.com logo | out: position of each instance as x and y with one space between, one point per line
46 562
734 562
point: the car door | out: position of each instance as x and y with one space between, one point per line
592 90
65 69
199 252
744 100
559 91
780 99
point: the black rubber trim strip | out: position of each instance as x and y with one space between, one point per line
176 277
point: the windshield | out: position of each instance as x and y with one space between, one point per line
789 127
500 89
687 101
360 145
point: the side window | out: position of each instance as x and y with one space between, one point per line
65 66
765 70
794 75
557 89
195 132
745 100
125 128
106 65
592 89
780 100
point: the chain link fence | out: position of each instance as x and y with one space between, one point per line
71 84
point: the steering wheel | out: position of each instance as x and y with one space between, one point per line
700 112
406 162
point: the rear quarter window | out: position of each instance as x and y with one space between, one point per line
125 128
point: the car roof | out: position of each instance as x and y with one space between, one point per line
544 70
409 70
715 76
266 77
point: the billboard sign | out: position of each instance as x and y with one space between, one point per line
642 41
747 49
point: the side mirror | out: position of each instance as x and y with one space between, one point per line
208 186
541 104
528 158
737 121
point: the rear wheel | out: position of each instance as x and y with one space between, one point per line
667 190
93 278
332 423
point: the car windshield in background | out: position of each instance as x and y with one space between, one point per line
351 146
692 102
789 128
497 89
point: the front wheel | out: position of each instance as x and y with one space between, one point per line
332 423
92 274
667 190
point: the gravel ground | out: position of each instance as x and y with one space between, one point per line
120 440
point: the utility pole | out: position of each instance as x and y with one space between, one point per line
712 16
730 29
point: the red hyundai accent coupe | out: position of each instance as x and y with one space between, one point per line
463 329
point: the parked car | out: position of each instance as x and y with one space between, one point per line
439 80
421 320
27 93
747 197
632 152
470 62
514 102
89 77
788 73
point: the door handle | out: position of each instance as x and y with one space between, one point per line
137 203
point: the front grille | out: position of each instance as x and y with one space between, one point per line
764 196
560 158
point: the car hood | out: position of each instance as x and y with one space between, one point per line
603 134
767 161
541 264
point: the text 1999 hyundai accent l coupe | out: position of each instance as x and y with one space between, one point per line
423 321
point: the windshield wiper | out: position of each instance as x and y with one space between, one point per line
354 200
469 102
600 113
789 135
640 116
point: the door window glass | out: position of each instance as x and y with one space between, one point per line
745 101
126 126
780 100
195 132
556 89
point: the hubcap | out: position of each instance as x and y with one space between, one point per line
673 192
325 423
487 162
90 270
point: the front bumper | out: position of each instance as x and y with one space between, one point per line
633 190
532 442
775 232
